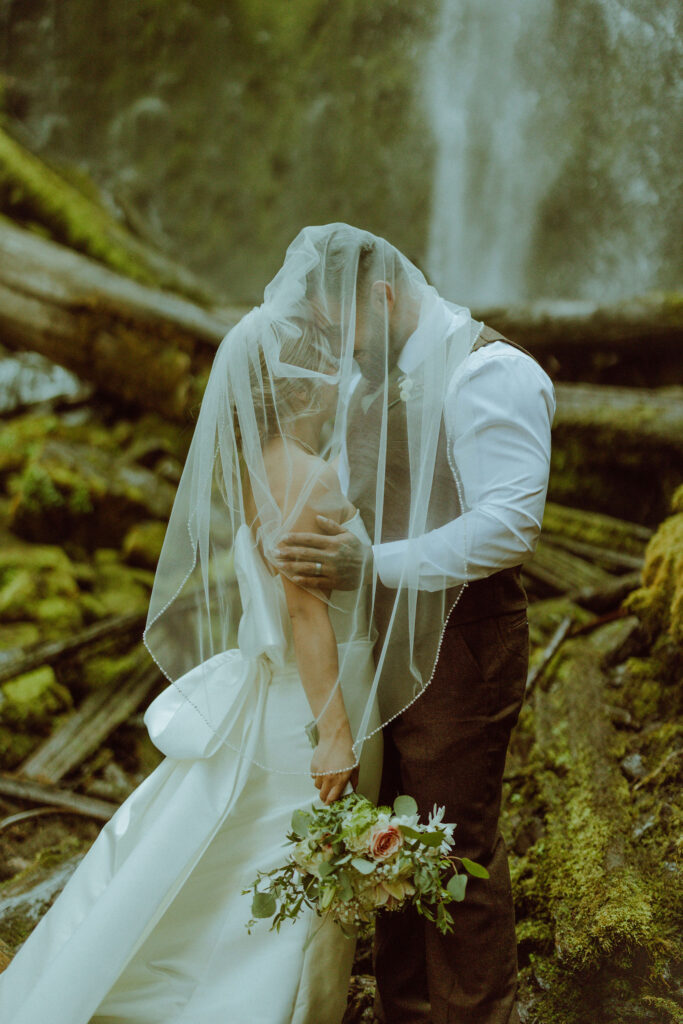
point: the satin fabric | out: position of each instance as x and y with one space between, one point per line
150 929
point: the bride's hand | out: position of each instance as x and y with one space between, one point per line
334 749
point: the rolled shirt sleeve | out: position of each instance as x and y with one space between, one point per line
498 414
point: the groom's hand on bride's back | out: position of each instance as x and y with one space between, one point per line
334 558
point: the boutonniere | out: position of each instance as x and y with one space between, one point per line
406 388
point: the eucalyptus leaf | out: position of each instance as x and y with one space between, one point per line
301 822
325 868
365 867
410 833
456 887
263 904
328 896
474 869
345 887
432 838
404 806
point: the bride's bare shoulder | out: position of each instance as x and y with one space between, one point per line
298 477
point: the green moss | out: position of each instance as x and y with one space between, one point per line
37 583
16 594
119 588
659 603
545 616
667 1011
32 699
103 668
60 613
587 471
15 746
32 192
142 544
18 634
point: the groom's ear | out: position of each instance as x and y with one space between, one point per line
382 297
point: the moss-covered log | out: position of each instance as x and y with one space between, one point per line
133 342
36 195
636 343
617 450
595 528
599 898
590 808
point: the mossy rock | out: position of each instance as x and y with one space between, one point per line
101 669
32 699
84 493
18 634
120 588
659 603
37 583
142 544
15 746
33 704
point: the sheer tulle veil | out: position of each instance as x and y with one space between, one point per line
322 347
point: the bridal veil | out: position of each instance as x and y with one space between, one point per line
323 347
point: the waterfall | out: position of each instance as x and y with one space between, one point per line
557 157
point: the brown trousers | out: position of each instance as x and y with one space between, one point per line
449 748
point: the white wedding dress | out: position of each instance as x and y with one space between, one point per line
150 928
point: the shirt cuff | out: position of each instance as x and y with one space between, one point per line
391 562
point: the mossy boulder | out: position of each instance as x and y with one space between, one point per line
32 705
84 493
119 588
37 582
99 671
659 602
31 700
142 544
18 634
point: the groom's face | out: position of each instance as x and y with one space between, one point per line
371 348
378 339
376 345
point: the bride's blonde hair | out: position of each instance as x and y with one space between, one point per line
277 398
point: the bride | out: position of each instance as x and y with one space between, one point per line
150 929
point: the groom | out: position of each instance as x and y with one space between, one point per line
449 746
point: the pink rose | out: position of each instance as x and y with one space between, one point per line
385 841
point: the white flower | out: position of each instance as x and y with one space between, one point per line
405 388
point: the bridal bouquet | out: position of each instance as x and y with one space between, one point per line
351 860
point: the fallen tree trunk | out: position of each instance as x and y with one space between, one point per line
39 793
133 342
596 528
594 899
33 192
617 450
563 570
643 418
637 342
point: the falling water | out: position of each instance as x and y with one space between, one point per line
558 158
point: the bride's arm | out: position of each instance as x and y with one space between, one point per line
315 644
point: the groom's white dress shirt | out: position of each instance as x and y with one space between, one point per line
499 408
